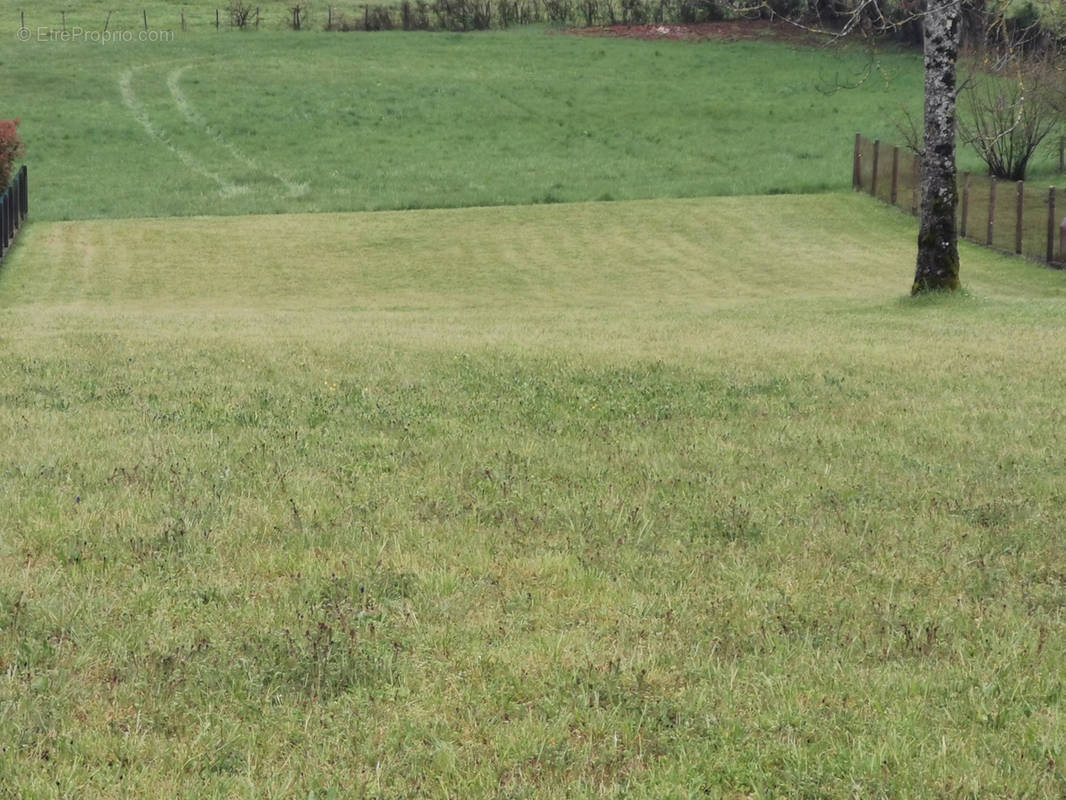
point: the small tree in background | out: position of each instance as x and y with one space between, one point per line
11 149
240 13
1008 116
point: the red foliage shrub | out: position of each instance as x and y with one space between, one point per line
11 149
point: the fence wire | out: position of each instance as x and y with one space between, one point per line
1013 217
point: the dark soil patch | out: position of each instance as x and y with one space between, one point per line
735 31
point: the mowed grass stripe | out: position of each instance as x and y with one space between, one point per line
685 253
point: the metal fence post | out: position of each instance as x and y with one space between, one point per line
25 184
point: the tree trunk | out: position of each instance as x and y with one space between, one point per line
938 246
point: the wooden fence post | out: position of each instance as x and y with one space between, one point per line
1050 224
965 204
107 21
22 16
183 20
895 174
144 12
216 19
916 175
873 180
856 164
1018 218
991 210
63 16
257 17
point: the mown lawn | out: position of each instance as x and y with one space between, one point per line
626 499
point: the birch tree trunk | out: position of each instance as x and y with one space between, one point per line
938 245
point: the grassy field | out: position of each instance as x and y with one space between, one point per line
235 123
504 494
230 124
555 501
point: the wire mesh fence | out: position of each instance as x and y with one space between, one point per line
14 206
1014 217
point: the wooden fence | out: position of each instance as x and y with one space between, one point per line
14 206
1011 216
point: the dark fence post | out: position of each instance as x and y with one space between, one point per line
144 13
965 203
873 180
216 19
25 186
916 174
3 224
895 174
1050 224
1018 218
991 210
856 164
14 205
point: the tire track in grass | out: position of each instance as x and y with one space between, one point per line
193 117
226 188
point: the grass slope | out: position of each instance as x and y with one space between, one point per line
583 500
232 124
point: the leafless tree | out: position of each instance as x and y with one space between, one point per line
1009 115
240 13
